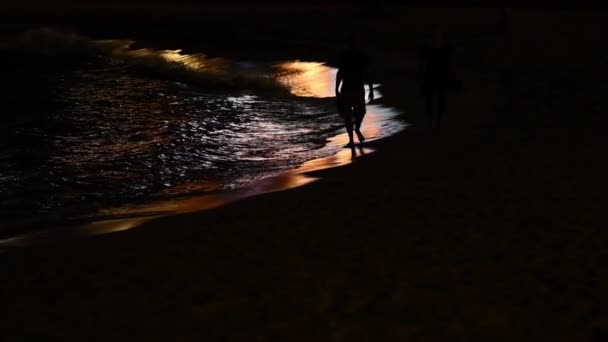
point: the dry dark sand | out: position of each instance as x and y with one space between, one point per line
492 228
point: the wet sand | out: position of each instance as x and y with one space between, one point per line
492 227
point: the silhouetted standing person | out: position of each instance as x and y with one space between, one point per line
437 76
352 76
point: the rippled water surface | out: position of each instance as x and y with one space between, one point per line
114 134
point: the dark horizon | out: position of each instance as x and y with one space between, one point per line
33 5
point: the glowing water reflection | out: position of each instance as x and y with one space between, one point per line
304 79
307 79
313 79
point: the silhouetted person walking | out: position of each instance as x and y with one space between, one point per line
437 76
352 76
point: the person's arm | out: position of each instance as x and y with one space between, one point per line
338 81
370 84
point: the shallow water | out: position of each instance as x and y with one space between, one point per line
146 132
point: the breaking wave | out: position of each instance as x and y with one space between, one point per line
195 69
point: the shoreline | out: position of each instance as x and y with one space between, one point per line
315 80
134 216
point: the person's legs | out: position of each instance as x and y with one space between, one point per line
358 114
348 123
360 135
346 111
353 111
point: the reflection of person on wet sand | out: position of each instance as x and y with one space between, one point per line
437 76
357 152
352 75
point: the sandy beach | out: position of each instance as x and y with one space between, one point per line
490 228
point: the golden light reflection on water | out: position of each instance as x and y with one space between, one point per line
175 56
307 79
311 79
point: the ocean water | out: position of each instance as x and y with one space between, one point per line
93 125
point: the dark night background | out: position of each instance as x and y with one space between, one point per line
492 228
